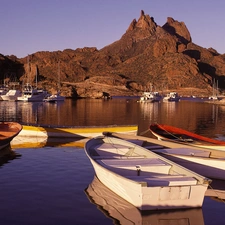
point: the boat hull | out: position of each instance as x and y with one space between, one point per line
44 131
111 204
154 198
8 131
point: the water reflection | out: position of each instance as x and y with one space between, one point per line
196 116
7 155
40 142
122 212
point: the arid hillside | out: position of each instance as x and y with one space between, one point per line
147 55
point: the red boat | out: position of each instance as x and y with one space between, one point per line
170 133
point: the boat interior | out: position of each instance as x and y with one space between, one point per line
149 171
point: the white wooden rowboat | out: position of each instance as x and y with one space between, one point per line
143 178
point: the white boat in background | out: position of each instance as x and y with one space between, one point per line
152 96
143 178
119 210
54 98
12 95
3 91
207 162
31 94
215 93
172 97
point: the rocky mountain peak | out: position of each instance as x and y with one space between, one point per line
178 29
163 56
145 22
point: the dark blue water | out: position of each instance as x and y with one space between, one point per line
48 185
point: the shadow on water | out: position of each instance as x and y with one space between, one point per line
7 155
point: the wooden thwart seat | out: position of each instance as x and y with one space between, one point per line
154 165
165 180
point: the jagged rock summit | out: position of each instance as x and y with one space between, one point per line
144 23
146 55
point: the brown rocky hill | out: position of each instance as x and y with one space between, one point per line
146 55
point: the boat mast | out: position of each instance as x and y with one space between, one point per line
58 77
36 76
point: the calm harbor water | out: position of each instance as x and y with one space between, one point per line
56 185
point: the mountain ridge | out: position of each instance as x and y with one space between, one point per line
147 55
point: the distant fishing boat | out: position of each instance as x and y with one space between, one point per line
30 93
149 97
215 94
172 97
55 97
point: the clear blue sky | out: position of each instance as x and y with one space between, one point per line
29 26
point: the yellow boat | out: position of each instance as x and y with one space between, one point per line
68 132
40 142
42 136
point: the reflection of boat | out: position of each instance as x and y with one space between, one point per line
150 97
7 154
123 212
143 178
172 97
8 130
166 132
51 131
39 142
207 162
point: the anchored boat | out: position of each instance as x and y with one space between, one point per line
143 178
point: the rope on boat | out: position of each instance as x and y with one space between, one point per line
130 152
217 194
144 132
171 134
